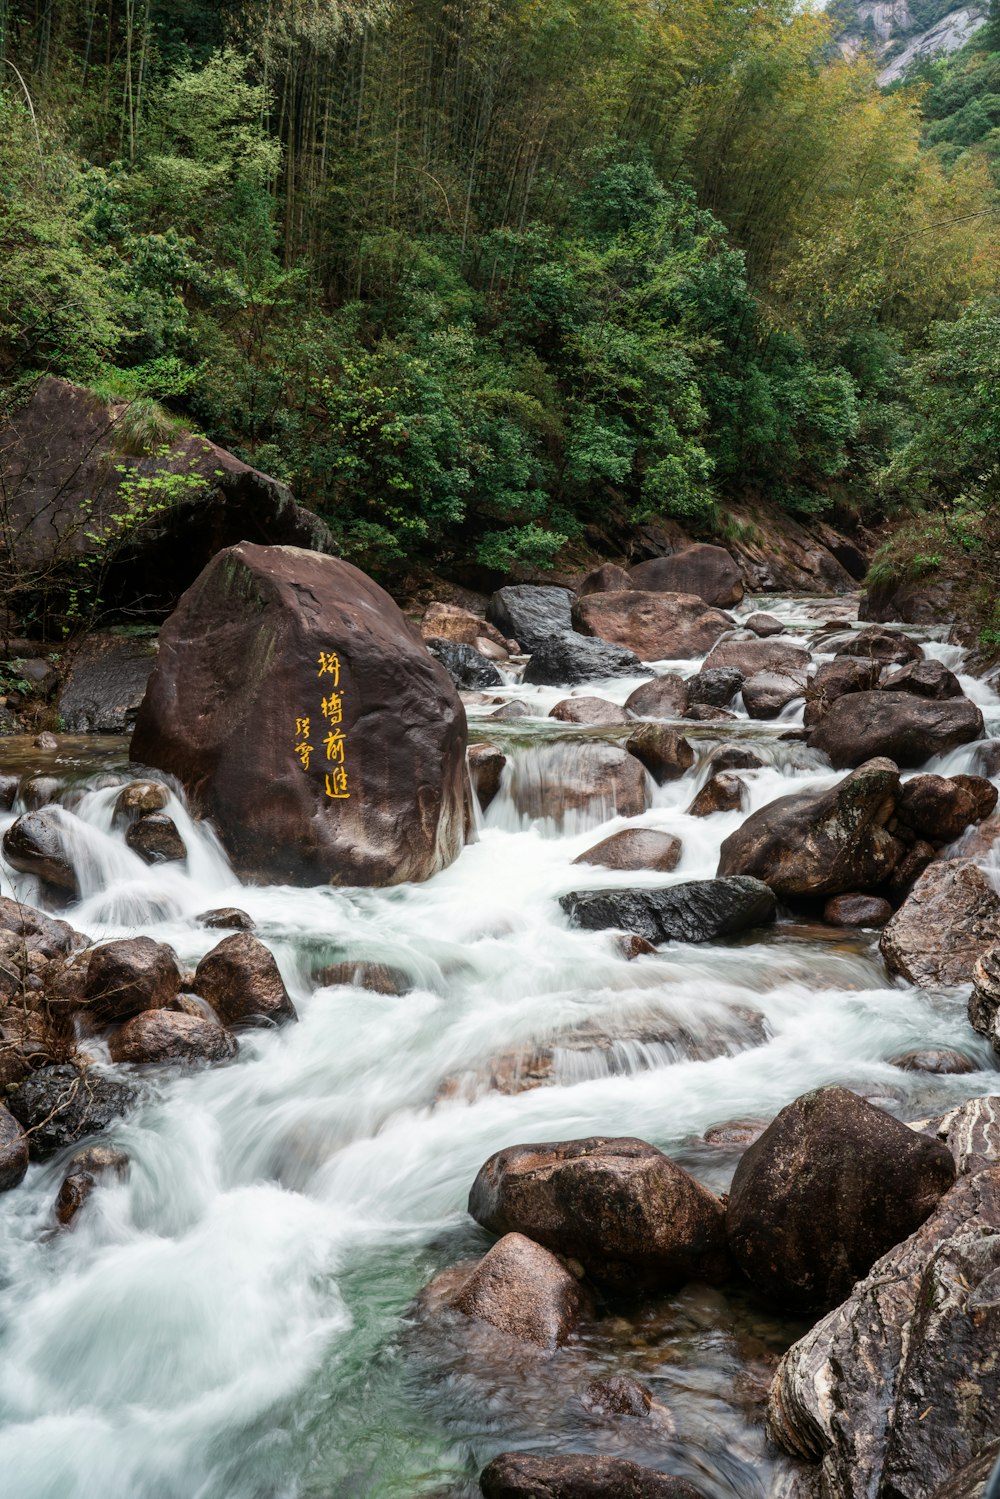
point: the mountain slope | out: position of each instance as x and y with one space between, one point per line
903 32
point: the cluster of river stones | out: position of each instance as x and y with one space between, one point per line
889 1231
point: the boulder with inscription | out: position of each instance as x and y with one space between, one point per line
303 714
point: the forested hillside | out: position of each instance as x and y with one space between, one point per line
469 275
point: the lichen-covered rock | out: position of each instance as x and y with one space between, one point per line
304 714
830 1185
626 1212
896 1391
949 918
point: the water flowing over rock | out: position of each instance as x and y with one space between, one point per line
520 1475
895 1391
170 1036
564 660
521 1289
156 840
86 1170
13 1151
580 777
304 715
241 982
821 843
486 763
635 848
900 725
139 799
708 572
656 626
530 615
950 917
766 693
723 792
828 1187
695 911
627 1213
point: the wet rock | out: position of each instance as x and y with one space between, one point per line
635 848
768 692
735 1132
40 933
665 753
105 685
489 648
695 911
461 627
227 919
34 844
734 757
486 763
139 798
706 713
925 679
8 792
589 710
835 679
520 1475
40 791
935 808
169 1036
764 625
593 776
984 794
971 1132
717 687
906 728
631 947
468 668
888 647
708 572
377 978
618 1395
987 758
831 1185
563 660
156 840
950 917
857 909
522 1290
13 1151
606 579
624 1211
821 843
241 982
937 1061
723 792
663 697
984 1001
896 1391
514 709
86 1170
656 626
60 1105
129 976
530 615
751 655
906 873
302 712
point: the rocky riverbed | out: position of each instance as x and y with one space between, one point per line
696 887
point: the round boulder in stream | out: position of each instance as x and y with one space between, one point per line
35 844
832 1184
519 1288
623 1210
907 728
171 1036
156 840
303 713
240 980
589 710
695 911
635 848
129 976
521 1475
707 571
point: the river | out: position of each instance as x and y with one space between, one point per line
234 1320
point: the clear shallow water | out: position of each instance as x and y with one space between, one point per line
234 1321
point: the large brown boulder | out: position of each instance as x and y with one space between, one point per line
888 647
609 578
129 976
706 571
906 728
821 843
460 626
937 808
635 848
521 1475
767 693
723 792
895 1392
663 697
171 1036
928 678
836 679
656 626
521 1289
241 982
830 1185
625 1211
947 921
304 714
749 655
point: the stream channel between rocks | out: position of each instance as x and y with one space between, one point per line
233 1321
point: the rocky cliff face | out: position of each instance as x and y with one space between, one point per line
900 32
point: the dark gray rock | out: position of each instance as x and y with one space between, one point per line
468 668
716 687
60 1105
563 660
35 844
529 614
156 840
925 679
106 684
695 911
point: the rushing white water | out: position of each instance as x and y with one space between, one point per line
232 1321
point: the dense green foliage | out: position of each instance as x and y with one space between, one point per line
470 275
